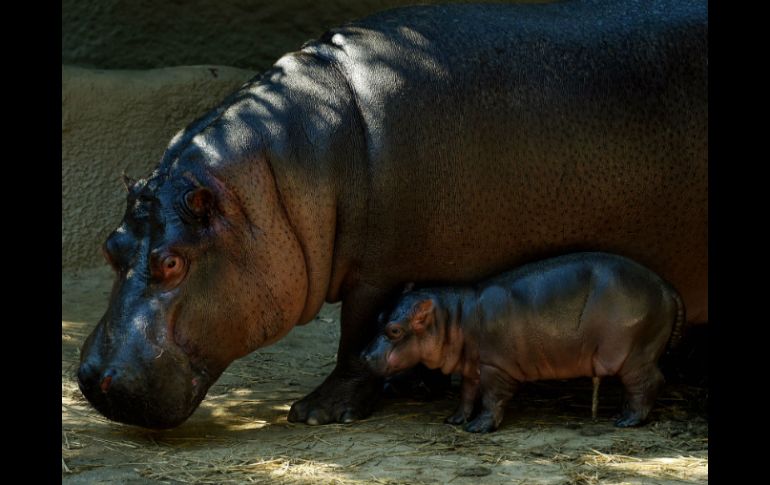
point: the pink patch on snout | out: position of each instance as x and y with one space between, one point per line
392 362
194 381
105 383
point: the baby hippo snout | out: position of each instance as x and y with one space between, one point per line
375 356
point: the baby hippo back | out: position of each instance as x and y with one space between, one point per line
585 314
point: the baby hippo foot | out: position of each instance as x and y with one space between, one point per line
464 409
642 384
628 419
468 396
484 423
459 417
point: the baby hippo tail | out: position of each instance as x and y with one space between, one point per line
678 330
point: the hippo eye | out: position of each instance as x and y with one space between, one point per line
198 203
169 269
394 332
172 263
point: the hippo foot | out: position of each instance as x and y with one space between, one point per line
629 419
484 423
341 398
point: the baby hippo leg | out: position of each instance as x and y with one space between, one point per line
642 384
469 391
595 397
497 388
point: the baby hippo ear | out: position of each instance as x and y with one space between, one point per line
199 201
408 287
423 316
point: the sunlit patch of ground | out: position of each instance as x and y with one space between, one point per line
240 433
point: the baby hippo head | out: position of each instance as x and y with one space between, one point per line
405 336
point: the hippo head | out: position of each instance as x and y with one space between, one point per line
406 337
207 268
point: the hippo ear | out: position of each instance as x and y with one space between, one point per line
199 201
408 287
128 182
423 316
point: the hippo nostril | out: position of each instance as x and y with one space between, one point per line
106 380
105 383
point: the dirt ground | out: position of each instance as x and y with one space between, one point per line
240 433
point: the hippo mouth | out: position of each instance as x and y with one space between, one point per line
146 410
200 381
390 367
138 413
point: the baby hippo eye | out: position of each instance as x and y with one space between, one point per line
394 332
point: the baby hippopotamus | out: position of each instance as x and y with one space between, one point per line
583 314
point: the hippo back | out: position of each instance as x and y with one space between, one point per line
500 134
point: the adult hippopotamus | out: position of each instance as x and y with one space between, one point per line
434 144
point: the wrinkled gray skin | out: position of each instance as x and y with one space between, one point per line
583 314
431 144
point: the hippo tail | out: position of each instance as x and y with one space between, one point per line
679 321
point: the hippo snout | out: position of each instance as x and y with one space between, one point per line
370 359
139 383
151 401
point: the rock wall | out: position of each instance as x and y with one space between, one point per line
251 34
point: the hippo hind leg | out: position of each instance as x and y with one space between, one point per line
497 388
641 384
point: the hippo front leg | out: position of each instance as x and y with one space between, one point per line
468 394
350 392
497 388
